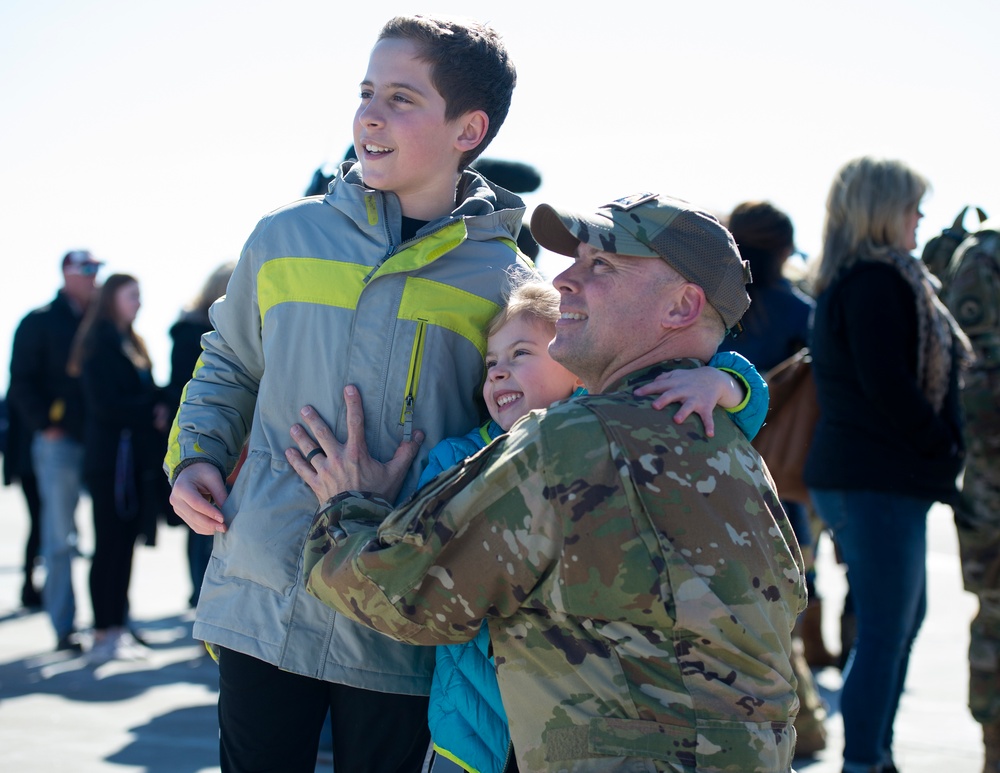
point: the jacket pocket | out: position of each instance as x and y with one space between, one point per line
267 517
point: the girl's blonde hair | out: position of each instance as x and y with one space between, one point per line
528 295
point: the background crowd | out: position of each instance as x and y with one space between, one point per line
84 415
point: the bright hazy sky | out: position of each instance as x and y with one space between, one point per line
156 134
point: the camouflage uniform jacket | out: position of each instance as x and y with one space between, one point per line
640 582
973 295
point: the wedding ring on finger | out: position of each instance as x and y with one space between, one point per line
316 451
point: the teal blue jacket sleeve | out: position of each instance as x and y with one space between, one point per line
750 414
451 451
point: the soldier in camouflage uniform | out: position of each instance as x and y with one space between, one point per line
639 579
973 295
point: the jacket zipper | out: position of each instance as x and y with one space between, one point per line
413 380
377 266
380 202
506 760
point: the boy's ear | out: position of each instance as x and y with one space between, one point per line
473 126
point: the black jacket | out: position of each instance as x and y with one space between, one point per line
119 431
16 448
41 392
186 335
877 431
119 396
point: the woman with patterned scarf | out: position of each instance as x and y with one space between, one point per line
886 355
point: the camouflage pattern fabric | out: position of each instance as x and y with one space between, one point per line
640 582
973 295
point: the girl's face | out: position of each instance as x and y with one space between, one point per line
127 303
520 374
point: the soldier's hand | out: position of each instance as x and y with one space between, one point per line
329 467
195 489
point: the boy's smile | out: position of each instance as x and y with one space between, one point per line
402 139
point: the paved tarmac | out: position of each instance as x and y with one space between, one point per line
58 713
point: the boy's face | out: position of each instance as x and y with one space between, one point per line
520 374
402 139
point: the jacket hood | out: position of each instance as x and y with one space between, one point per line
486 207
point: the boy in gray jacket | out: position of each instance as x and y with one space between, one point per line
387 283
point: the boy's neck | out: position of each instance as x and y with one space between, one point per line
429 205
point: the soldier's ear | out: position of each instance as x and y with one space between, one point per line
682 306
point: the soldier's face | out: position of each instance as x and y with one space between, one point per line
609 308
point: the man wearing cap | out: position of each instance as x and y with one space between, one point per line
639 578
49 404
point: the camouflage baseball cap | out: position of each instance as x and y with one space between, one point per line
648 225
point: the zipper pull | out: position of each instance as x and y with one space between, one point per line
377 266
408 419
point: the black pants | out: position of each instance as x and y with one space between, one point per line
270 720
114 546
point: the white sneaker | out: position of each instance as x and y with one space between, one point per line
127 648
103 650
120 645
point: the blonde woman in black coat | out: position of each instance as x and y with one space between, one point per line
886 357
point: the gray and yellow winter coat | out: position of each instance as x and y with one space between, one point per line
324 295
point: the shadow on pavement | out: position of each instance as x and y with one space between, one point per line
155 747
175 657
134 697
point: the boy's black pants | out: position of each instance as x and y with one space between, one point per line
270 720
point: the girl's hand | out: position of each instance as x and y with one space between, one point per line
698 390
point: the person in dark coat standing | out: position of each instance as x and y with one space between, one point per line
48 404
186 335
126 419
886 357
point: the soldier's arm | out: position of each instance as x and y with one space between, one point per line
462 549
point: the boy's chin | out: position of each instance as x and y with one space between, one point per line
365 182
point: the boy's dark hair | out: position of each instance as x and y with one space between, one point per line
470 67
